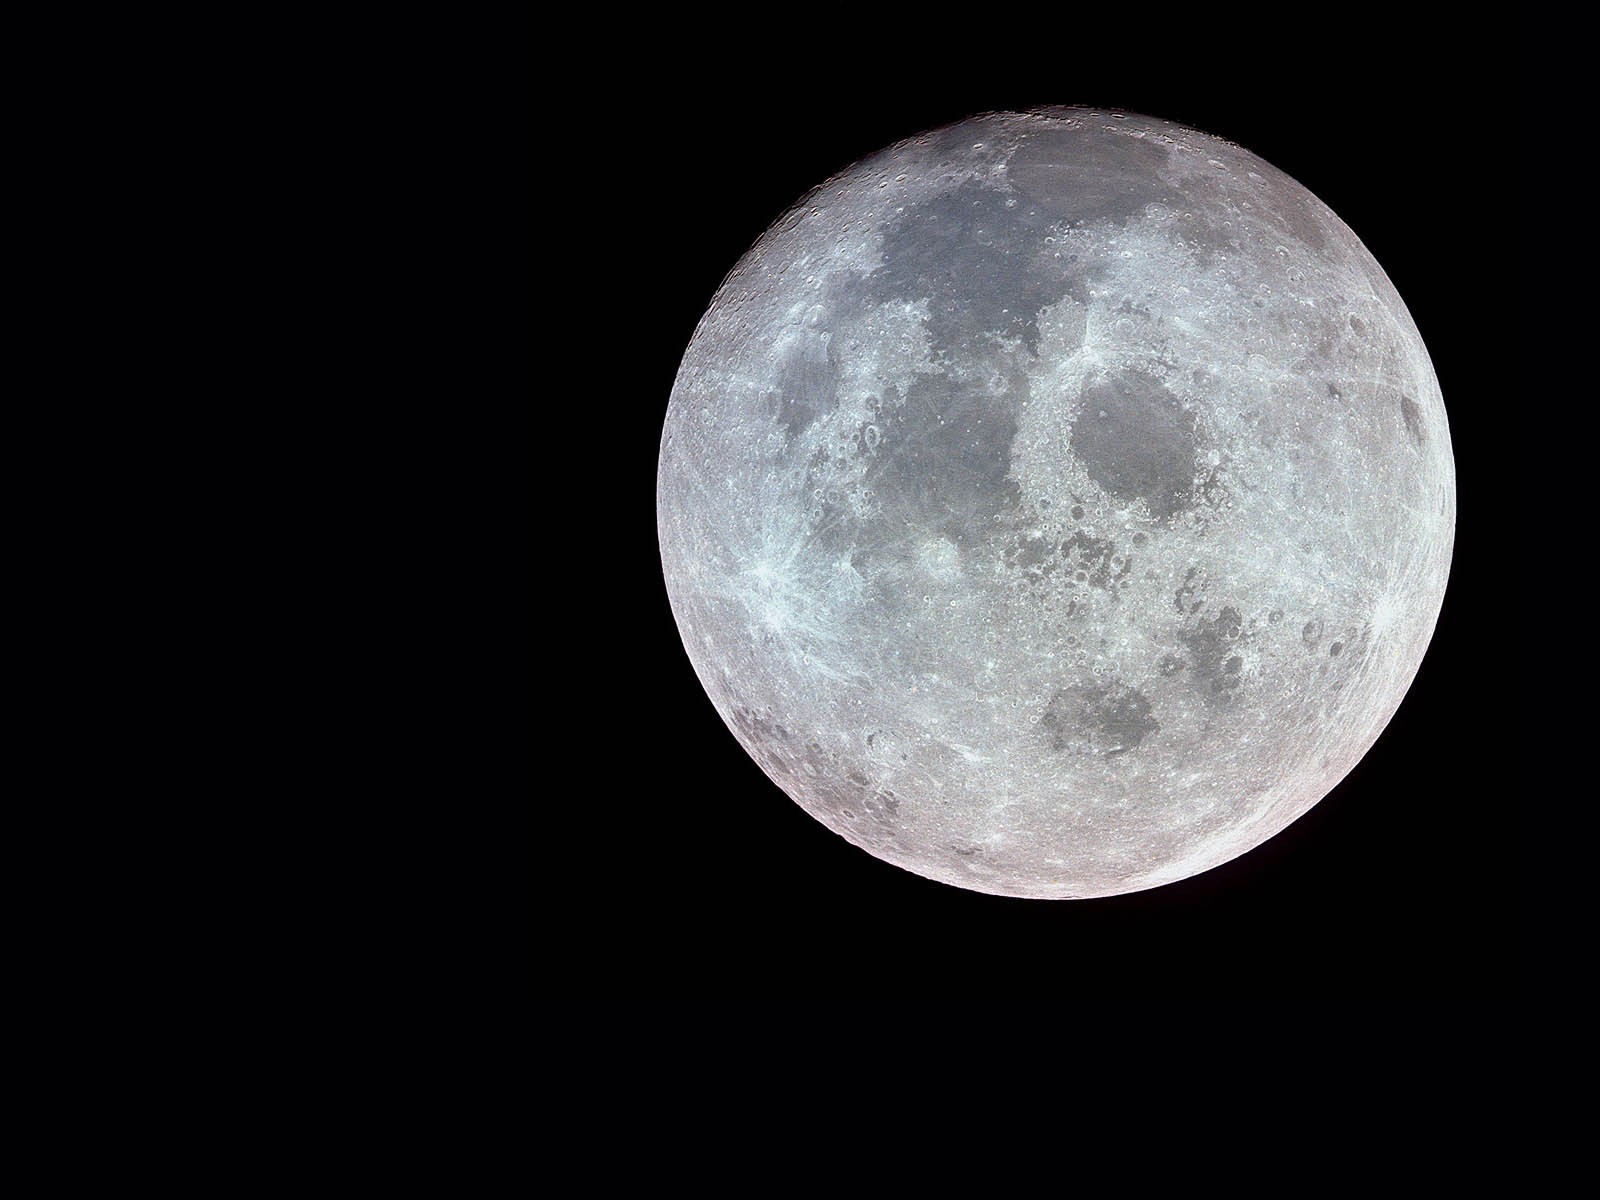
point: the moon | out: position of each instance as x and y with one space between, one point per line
1056 504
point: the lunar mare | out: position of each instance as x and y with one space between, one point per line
1056 504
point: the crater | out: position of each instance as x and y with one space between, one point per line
1137 442
1412 415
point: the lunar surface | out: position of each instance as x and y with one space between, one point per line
1056 504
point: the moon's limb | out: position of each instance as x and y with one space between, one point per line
1057 504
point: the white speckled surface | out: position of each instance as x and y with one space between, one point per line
1057 504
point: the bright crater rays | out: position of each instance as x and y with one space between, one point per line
1056 504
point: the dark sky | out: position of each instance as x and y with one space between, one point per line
1410 879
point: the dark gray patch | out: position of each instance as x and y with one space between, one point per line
780 752
946 454
835 785
1095 561
1100 718
1137 442
1413 419
1298 213
1083 177
1334 649
975 261
1211 645
882 805
1030 552
807 384
969 140
1170 665
1311 633
1204 237
764 730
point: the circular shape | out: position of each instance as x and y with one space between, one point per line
1057 504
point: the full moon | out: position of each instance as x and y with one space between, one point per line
1056 504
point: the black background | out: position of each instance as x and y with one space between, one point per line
1408 882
